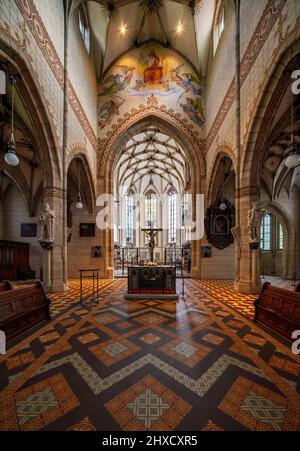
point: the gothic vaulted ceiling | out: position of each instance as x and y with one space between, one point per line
151 160
119 25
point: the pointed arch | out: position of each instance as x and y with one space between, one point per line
256 145
42 127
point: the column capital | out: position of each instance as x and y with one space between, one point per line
52 191
247 191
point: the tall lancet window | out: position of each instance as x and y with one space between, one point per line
129 217
266 232
85 32
172 224
150 209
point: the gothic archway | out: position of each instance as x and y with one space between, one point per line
111 146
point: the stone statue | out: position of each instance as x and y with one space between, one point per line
46 222
254 222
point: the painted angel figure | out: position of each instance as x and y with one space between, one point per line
118 82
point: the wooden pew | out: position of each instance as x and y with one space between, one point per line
23 307
279 310
5 286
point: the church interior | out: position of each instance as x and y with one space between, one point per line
150 215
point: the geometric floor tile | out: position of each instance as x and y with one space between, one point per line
258 408
112 351
20 360
188 365
148 405
285 365
87 338
215 339
264 410
150 338
189 353
84 425
35 405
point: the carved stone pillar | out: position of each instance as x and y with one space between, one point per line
53 267
248 276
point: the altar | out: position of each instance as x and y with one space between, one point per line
152 282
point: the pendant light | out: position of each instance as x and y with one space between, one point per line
79 204
10 157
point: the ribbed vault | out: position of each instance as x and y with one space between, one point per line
151 159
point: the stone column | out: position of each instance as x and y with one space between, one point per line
238 138
248 277
199 188
53 268
107 234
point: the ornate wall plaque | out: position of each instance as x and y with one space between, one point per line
219 220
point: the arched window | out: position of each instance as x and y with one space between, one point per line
85 32
172 225
272 233
150 209
266 232
280 236
129 218
219 25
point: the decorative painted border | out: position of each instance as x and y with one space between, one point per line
40 34
261 33
142 111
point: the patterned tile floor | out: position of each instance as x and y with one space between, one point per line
196 364
224 291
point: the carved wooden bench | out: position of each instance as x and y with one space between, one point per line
279 310
5 286
23 307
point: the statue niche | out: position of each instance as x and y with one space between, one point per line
219 220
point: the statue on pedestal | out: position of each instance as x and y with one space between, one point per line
254 223
46 222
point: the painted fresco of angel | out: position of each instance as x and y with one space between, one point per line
193 108
108 110
187 81
118 82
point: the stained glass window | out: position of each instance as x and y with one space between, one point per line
280 237
150 209
172 216
129 218
266 232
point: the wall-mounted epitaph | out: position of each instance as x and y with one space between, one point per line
219 220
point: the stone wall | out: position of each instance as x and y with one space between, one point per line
268 29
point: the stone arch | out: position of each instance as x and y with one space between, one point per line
222 152
17 178
153 114
289 229
111 146
78 151
260 130
43 129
